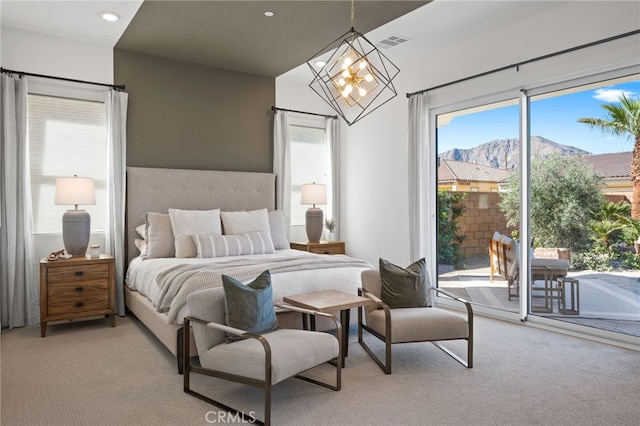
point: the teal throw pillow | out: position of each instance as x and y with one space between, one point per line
404 287
249 306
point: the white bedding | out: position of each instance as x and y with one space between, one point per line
141 276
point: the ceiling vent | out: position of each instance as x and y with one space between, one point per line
391 41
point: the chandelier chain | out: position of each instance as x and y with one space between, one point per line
353 13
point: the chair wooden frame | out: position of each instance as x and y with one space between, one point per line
265 384
387 338
499 262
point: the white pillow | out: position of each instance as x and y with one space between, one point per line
159 236
215 245
245 221
142 231
186 223
278 230
141 245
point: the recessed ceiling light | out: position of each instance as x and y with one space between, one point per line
320 64
110 16
268 13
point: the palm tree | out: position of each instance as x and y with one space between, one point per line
623 119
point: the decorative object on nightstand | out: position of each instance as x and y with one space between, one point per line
322 247
77 287
76 224
330 224
312 194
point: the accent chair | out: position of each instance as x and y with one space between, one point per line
416 324
256 360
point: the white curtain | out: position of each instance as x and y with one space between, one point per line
19 279
422 185
281 155
333 181
116 123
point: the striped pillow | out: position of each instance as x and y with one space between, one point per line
214 245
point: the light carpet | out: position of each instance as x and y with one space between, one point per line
87 373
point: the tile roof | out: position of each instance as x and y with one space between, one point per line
612 165
450 170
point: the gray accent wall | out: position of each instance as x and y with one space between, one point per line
189 116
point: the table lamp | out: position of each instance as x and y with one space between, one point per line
314 193
76 224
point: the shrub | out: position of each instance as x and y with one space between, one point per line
450 208
563 193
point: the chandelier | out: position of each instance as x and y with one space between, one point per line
356 79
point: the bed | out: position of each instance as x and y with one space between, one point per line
156 283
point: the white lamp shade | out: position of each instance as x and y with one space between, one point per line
313 193
75 190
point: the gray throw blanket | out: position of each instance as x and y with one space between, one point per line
177 282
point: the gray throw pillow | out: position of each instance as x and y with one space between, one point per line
404 287
249 307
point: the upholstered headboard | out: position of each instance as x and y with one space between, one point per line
157 190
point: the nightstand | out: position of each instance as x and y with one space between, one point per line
78 287
323 247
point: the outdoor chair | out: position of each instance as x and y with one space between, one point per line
255 360
503 255
405 325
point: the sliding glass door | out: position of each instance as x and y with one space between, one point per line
583 250
478 149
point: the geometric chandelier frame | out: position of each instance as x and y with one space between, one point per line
357 78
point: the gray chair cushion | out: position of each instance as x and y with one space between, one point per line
292 352
207 305
404 287
420 324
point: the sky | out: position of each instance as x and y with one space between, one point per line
554 118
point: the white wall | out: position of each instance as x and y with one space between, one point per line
35 53
374 193
61 57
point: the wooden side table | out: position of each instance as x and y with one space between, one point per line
323 247
76 288
327 302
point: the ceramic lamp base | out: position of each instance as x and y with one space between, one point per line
76 230
314 224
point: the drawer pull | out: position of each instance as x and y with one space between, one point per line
79 288
79 304
79 273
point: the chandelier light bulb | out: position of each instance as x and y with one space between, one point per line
341 82
346 73
362 92
363 64
347 62
368 78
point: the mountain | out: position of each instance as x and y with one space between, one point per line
500 151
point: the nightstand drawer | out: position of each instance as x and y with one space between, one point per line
78 273
322 247
328 249
66 298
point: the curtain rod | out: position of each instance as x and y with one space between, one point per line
303 112
114 86
517 66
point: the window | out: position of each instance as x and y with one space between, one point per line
66 137
309 157
581 228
